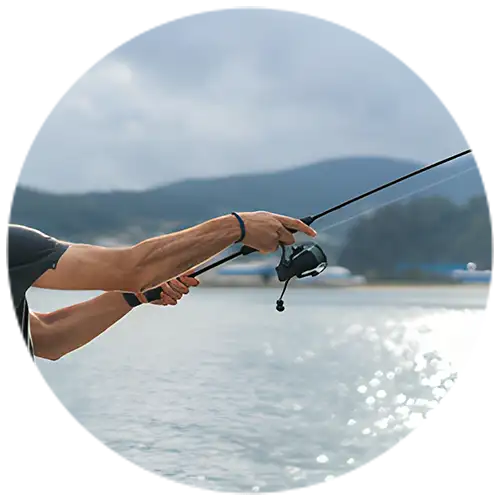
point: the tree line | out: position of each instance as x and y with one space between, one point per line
400 240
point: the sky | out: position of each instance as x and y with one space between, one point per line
231 92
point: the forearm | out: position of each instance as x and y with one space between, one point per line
160 259
60 332
142 266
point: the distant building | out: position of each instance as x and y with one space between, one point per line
454 271
465 276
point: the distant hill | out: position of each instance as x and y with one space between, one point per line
297 192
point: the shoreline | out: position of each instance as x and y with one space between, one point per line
373 286
364 286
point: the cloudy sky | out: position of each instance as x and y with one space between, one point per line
235 92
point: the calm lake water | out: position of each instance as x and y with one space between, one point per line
223 392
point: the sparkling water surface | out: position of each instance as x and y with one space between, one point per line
223 392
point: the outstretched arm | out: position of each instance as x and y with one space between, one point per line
60 332
157 260
140 267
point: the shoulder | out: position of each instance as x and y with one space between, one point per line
28 245
31 253
39 260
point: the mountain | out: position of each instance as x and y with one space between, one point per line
297 192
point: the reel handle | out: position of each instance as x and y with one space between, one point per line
155 293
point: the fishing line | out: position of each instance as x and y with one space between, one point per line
309 259
400 198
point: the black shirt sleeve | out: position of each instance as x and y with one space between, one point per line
31 253
3 256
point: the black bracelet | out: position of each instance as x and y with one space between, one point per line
131 299
242 227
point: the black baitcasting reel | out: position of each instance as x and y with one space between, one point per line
303 260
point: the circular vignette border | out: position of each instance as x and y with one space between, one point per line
41 455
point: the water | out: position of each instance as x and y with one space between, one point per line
223 392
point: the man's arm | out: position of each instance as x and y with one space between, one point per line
157 260
142 266
60 332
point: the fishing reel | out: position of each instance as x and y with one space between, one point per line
299 261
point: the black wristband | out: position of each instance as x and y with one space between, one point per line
242 227
131 299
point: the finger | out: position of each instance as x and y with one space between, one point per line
298 225
189 272
178 286
167 300
164 301
273 247
285 236
171 292
142 298
189 281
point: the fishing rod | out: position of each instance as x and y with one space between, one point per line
395 200
307 259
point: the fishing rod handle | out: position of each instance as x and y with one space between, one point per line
155 293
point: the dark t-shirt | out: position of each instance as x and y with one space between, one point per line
31 253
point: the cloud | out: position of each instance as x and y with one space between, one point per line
232 92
